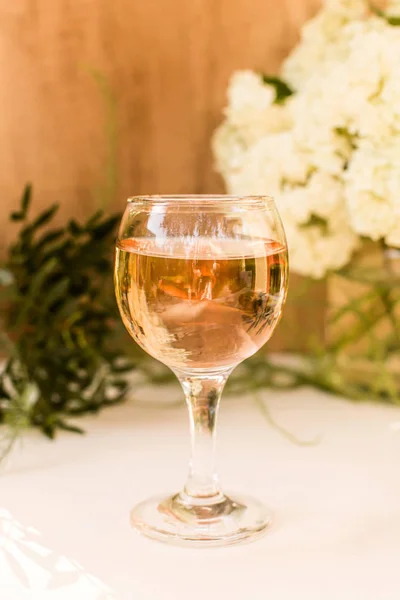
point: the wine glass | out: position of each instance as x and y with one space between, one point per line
200 283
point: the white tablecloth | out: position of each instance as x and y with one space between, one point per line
64 505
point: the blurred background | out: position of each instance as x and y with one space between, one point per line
106 99
166 65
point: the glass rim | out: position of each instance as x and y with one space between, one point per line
204 199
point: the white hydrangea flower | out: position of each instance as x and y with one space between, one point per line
251 109
323 41
317 226
294 205
228 148
321 196
330 154
275 167
350 9
367 83
326 150
269 163
387 109
248 97
393 8
373 190
325 195
354 82
316 249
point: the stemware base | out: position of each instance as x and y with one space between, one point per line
183 520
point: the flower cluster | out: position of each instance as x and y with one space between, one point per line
329 152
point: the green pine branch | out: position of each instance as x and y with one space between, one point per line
64 343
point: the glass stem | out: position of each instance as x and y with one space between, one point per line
203 393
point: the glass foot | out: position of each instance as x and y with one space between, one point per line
188 521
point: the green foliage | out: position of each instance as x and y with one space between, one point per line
106 189
282 90
63 336
317 221
391 20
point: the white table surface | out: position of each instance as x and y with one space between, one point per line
64 505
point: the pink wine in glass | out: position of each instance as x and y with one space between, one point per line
201 303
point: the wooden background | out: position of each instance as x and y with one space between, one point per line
167 62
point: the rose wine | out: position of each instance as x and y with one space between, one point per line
200 303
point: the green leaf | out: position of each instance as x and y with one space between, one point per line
106 227
316 221
44 217
394 21
282 90
26 199
35 287
49 430
376 11
74 228
119 384
17 216
391 20
48 238
106 189
93 220
67 427
56 293
56 248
